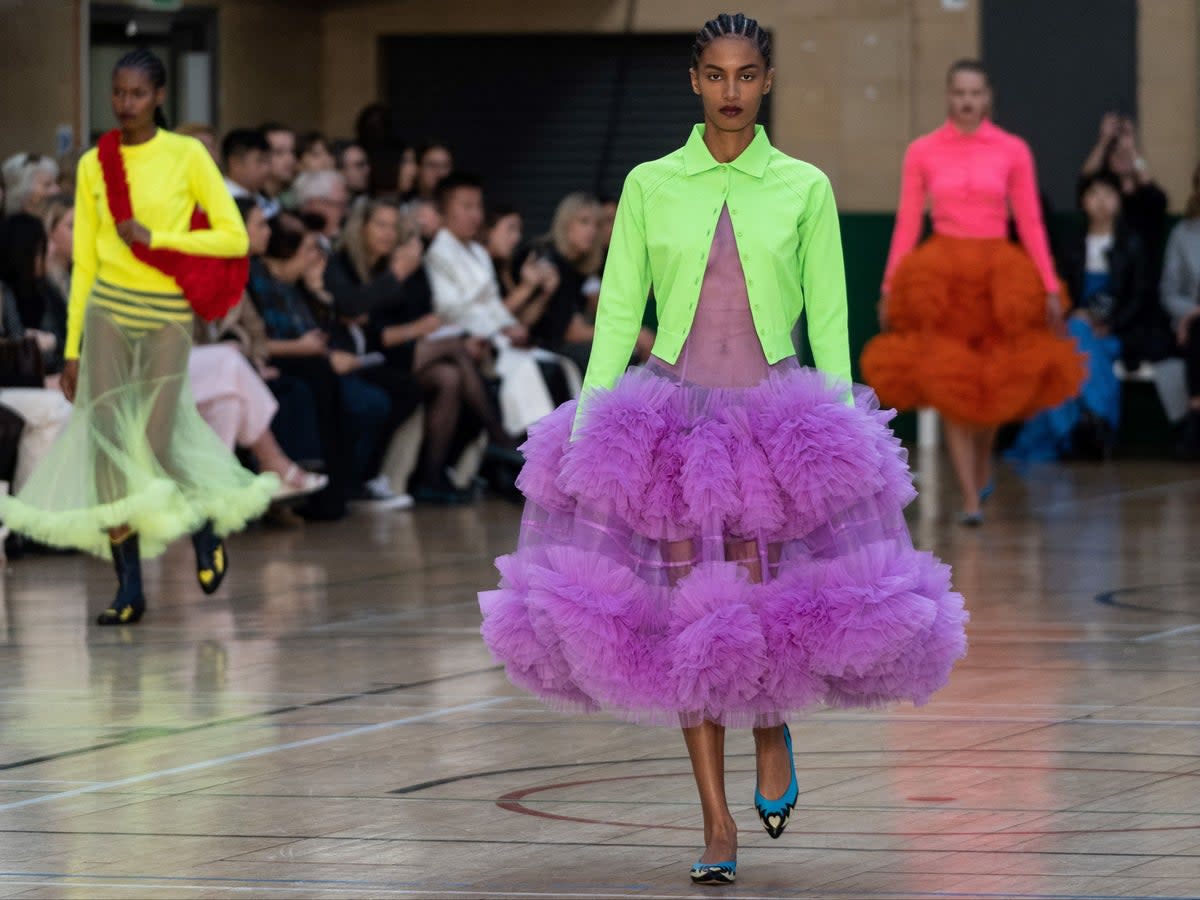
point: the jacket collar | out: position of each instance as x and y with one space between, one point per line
753 160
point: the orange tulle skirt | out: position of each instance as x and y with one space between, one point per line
968 336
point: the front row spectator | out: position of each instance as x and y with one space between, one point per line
352 414
1180 290
377 278
1107 271
467 294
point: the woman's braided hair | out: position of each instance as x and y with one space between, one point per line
726 25
146 61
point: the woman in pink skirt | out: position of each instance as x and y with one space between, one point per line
716 539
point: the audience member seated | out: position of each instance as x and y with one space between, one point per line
355 167
467 294
1143 202
353 414
434 162
281 163
526 290
28 180
375 132
247 155
406 171
322 195
1106 270
27 298
41 407
1180 294
378 275
59 222
313 153
233 389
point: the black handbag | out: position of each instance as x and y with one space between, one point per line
21 363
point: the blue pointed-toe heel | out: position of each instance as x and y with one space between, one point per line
985 493
776 813
715 873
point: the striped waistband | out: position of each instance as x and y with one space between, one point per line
140 309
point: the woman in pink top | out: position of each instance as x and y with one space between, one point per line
972 323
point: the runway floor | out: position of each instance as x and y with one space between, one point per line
331 726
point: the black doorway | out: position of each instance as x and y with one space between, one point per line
532 113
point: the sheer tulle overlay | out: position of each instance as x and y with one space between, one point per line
728 552
135 451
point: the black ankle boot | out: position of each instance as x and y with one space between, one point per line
129 604
211 559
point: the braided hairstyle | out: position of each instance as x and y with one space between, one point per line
726 25
146 61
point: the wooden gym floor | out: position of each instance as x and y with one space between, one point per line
331 726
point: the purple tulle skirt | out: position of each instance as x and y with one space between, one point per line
721 554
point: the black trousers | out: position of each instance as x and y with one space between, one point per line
1191 358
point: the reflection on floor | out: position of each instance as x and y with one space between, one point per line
330 726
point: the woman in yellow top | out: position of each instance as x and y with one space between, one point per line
136 466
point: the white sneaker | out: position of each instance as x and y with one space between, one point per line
378 494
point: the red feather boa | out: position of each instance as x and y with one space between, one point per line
212 284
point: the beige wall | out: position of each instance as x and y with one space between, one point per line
1168 95
39 73
269 62
856 79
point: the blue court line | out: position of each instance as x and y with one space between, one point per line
250 754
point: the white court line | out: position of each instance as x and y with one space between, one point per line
250 754
1116 495
1159 635
376 890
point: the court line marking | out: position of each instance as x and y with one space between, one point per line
137 735
251 754
1159 635
378 889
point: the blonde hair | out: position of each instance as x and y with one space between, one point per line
569 209
354 234
19 172
56 210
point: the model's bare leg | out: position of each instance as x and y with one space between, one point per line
770 750
706 747
985 440
961 442
705 744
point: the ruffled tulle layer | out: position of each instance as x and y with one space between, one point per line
968 336
135 452
636 585
159 513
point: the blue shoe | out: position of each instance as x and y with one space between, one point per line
714 873
776 813
986 492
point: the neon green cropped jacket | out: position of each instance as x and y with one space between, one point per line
786 224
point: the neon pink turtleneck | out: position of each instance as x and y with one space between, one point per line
970 180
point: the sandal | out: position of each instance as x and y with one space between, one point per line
296 482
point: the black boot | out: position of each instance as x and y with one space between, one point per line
129 604
211 559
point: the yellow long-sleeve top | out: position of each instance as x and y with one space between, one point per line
169 176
